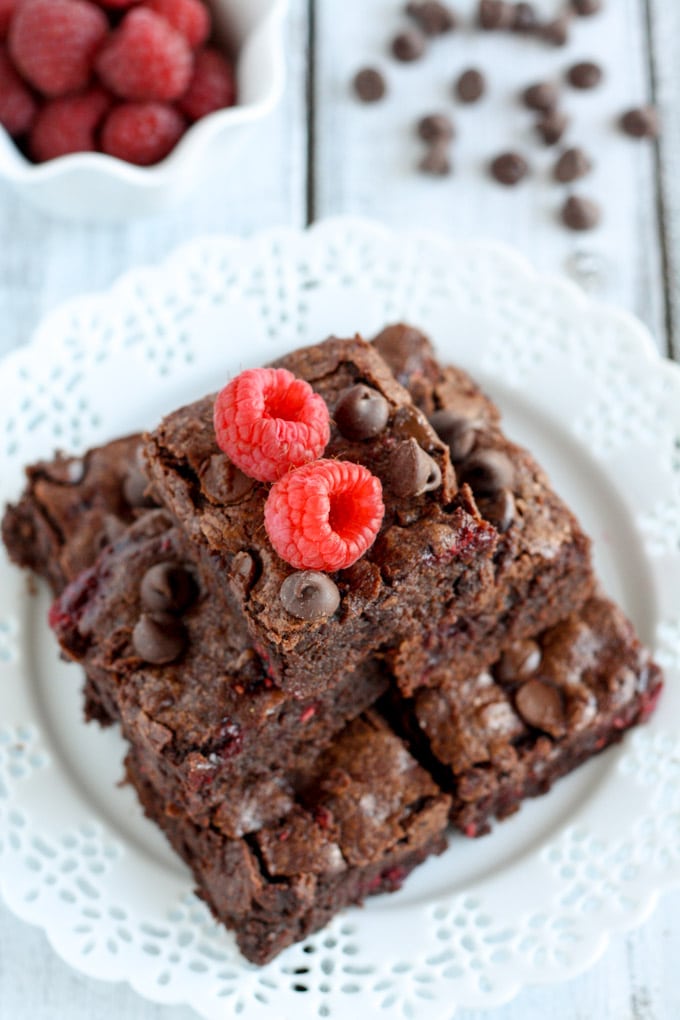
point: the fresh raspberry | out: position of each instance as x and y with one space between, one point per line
268 422
17 106
53 43
213 86
146 59
6 11
68 125
190 17
117 5
325 515
142 133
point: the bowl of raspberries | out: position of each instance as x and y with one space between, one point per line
109 108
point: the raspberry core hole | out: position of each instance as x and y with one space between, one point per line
342 515
288 406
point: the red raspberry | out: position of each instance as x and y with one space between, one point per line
68 125
190 17
268 422
212 87
142 133
325 515
146 59
116 5
53 43
17 106
6 11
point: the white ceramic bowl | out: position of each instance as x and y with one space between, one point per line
92 186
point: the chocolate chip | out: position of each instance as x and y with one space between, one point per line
551 126
543 96
410 423
586 8
309 595
642 122
361 412
499 509
456 431
136 483
222 482
432 17
509 168
581 213
470 85
245 569
167 588
525 19
409 45
572 165
436 127
436 161
488 472
541 705
369 85
518 662
585 75
495 14
159 639
412 471
556 32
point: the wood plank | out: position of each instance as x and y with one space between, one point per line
45 260
366 155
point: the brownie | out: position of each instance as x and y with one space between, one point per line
546 706
542 563
368 816
209 720
434 549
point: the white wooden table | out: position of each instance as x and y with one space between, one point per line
322 154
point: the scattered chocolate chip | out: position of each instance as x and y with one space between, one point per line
543 96
581 213
525 19
436 161
222 482
499 509
585 75
456 431
509 168
585 8
470 85
541 705
159 639
412 471
410 423
642 122
432 17
556 32
488 472
167 588
136 483
495 14
361 412
572 165
409 45
436 127
551 126
369 85
309 595
518 662
244 570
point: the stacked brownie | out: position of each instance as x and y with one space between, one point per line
303 739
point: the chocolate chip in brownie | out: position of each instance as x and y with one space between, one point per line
525 20
457 431
499 509
541 705
509 168
573 164
495 14
586 8
369 85
580 213
432 17
409 46
470 86
411 423
642 122
551 126
543 96
222 482
437 160
159 639
585 75
436 127
167 588
309 595
412 471
518 662
245 570
361 413
488 472
556 32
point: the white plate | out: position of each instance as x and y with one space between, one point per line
535 901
